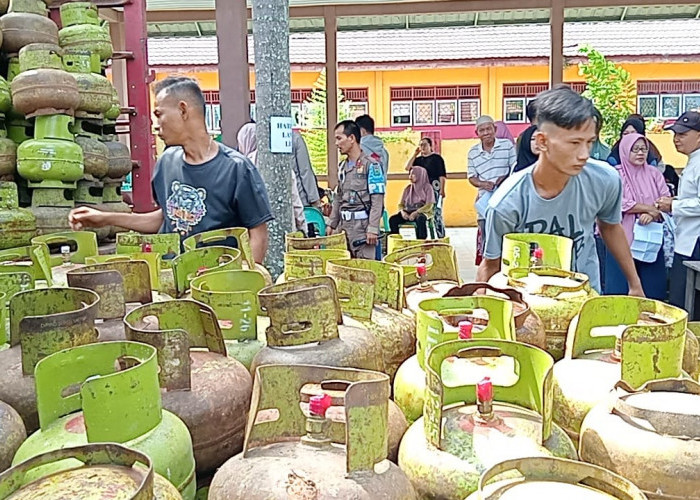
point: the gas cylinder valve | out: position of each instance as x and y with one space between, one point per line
465 330
422 273
484 398
316 421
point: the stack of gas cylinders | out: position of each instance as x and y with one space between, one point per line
58 143
181 370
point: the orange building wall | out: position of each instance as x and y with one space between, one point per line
459 206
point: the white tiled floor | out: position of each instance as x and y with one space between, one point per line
463 239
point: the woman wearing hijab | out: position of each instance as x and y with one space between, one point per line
527 154
634 125
416 204
642 184
248 146
502 132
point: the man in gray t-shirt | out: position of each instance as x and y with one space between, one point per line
564 193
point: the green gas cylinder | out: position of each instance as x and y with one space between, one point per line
114 397
372 293
615 338
296 241
307 263
95 89
429 270
208 390
82 29
296 448
236 237
468 428
307 327
99 471
440 320
42 322
193 263
17 225
233 295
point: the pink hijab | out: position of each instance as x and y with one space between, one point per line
502 132
643 184
248 142
418 193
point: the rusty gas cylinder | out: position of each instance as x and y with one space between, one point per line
121 285
440 320
554 294
200 261
429 271
97 471
236 237
615 338
294 448
42 322
372 294
208 390
43 86
296 241
17 225
20 29
468 428
650 436
12 434
306 327
396 242
529 328
118 160
307 263
549 478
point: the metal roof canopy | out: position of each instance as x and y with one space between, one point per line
370 14
406 21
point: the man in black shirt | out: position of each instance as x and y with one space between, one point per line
199 184
437 175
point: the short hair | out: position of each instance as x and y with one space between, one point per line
183 88
350 128
428 140
598 120
366 122
531 110
564 107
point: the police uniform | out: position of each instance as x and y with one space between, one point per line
359 203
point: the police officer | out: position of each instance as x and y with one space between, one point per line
359 201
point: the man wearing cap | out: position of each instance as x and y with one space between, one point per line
685 208
489 163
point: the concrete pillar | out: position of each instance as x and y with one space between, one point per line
331 31
556 57
273 99
234 86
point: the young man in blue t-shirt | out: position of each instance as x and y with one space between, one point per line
563 193
199 184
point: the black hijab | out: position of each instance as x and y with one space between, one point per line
525 155
653 157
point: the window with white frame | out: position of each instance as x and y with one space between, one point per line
401 113
469 110
667 99
514 109
425 106
424 113
516 97
446 113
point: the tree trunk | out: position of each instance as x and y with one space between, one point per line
273 98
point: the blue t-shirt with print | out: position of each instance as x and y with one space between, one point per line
227 191
595 193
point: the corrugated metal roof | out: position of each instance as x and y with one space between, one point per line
354 23
638 38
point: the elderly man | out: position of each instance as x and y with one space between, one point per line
686 206
489 163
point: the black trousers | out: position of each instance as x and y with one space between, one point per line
421 225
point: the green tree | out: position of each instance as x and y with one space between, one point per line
611 89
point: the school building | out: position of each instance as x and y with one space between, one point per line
437 81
